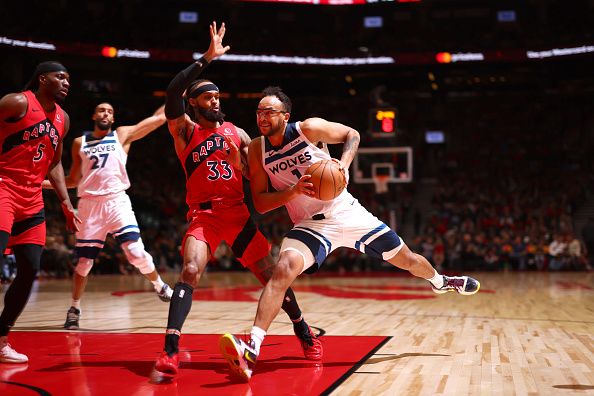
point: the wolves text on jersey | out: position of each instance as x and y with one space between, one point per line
100 148
289 163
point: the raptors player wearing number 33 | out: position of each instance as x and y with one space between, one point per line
213 153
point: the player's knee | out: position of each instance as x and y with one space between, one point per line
191 272
286 270
83 267
138 257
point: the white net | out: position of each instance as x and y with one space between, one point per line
381 183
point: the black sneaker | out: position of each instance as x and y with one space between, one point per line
72 317
165 293
464 285
240 356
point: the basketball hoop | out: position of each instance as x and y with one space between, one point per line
381 183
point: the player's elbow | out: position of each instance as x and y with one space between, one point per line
354 135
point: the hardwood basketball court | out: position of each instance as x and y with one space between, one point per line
523 333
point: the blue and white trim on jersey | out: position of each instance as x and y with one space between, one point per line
93 144
319 245
89 248
127 233
380 242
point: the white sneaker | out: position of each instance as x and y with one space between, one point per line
9 355
166 293
240 356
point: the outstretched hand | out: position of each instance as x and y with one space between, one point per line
72 220
216 47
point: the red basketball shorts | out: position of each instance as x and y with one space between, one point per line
234 225
23 219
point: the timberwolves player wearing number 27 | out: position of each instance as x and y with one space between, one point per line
99 172
32 127
213 153
282 155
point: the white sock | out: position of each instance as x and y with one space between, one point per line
437 280
257 336
75 304
158 284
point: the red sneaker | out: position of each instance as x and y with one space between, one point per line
167 364
311 345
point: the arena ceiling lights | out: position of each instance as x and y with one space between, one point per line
332 2
304 60
175 55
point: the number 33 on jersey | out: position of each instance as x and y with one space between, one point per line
209 177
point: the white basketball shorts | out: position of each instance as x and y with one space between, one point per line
352 226
103 215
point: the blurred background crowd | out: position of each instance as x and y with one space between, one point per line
510 188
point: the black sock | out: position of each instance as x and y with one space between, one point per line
27 260
171 344
290 305
179 308
301 329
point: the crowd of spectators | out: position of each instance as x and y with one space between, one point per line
506 196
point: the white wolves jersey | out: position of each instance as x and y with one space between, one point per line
103 166
287 163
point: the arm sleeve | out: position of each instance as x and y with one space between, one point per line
174 103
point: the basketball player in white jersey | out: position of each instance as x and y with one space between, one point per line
99 172
281 156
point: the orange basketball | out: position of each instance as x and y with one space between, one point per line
327 178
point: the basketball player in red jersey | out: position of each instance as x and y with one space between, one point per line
32 127
214 153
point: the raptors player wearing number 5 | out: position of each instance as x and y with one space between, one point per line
32 127
281 157
213 154
99 171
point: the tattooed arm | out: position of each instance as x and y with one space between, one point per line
320 130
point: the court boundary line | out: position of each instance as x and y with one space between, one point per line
355 367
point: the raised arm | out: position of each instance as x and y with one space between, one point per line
265 201
56 178
177 121
131 133
320 130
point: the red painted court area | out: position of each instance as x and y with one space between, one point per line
122 364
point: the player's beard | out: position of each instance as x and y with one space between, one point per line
103 127
212 116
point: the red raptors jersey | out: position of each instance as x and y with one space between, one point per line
27 147
209 177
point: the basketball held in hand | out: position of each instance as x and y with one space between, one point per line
327 178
